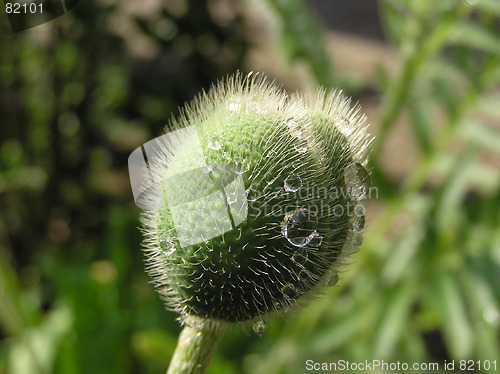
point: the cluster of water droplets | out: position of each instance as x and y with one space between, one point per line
232 167
297 130
357 222
357 182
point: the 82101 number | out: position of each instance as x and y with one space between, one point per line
17 8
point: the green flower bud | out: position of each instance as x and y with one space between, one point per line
254 200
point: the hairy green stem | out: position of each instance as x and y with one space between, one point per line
196 345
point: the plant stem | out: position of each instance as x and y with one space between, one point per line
195 347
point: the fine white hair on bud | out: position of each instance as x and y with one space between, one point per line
253 199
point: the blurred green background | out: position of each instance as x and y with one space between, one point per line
80 93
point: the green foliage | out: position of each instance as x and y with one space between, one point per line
76 100
301 38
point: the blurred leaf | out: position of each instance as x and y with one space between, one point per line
488 104
481 135
482 177
393 318
113 89
383 77
489 6
402 254
394 14
477 37
453 314
44 341
302 38
339 332
447 94
421 117
154 345
486 311
449 199
11 314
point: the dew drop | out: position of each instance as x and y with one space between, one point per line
316 241
242 167
271 180
259 327
299 227
332 279
207 169
301 147
491 315
297 132
233 105
354 240
215 144
357 222
357 181
295 129
232 197
344 122
250 195
257 105
270 153
297 163
292 183
288 291
167 246
303 276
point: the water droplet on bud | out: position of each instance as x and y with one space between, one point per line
232 197
207 169
297 131
332 279
344 122
316 240
301 147
259 327
293 183
234 105
299 227
167 246
354 240
357 181
289 291
271 180
214 144
270 153
242 167
250 195
357 222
